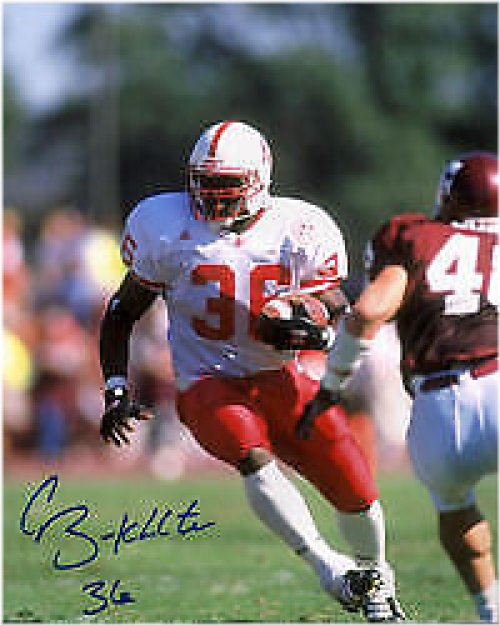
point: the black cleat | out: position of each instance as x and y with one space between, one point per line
358 586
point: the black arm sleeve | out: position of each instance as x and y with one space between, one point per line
126 306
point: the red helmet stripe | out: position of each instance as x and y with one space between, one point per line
216 138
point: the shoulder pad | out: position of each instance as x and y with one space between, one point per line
392 228
160 215
387 245
407 219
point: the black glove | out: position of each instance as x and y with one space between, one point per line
323 400
296 333
119 411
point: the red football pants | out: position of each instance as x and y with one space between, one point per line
230 416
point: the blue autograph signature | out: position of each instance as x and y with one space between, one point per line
162 524
158 525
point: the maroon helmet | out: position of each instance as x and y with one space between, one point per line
468 187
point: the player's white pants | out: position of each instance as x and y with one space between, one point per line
452 438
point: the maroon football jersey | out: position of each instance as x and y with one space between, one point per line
449 312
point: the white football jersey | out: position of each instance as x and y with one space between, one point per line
215 283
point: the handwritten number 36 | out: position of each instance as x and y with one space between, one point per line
95 590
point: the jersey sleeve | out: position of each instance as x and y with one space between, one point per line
137 248
328 256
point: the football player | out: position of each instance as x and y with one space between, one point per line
439 279
216 252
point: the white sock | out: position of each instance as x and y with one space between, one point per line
487 603
365 532
281 507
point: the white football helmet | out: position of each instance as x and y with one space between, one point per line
229 173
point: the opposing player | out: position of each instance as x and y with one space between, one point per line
216 253
439 279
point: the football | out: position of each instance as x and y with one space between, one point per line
283 306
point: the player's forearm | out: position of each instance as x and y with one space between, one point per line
114 345
361 326
378 303
128 305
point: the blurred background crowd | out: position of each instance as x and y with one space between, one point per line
53 300
361 103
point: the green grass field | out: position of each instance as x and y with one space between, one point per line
234 571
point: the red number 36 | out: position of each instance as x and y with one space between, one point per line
224 306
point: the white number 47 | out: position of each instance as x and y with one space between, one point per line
454 271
